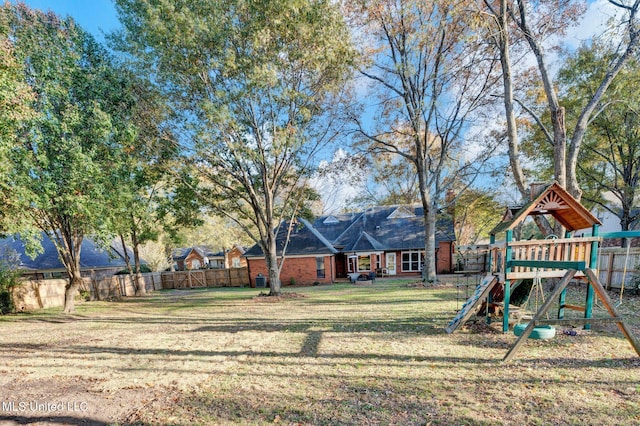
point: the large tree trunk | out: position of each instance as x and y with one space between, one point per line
137 279
507 80
271 258
557 112
71 290
429 213
429 272
69 245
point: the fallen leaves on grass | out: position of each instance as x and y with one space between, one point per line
266 297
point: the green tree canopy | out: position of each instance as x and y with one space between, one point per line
63 165
255 82
610 158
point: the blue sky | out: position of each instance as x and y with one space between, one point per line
96 16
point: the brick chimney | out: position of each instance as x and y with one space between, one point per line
536 189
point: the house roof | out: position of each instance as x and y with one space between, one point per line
384 228
92 256
204 251
552 200
183 252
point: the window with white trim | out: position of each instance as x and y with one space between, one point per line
412 260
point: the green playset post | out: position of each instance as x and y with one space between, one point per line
593 264
507 282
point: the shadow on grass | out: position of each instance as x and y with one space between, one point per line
347 401
51 420
310 349
345 405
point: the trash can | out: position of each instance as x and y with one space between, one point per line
261 281
372 276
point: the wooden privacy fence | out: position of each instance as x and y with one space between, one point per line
618 264
37 294
234 277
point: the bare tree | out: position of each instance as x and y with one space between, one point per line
535 24
431 76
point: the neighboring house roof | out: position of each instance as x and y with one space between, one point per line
181 253
384 228
92 256
204 251
220 255
184 252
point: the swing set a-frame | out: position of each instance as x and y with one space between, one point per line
569 259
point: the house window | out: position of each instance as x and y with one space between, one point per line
352 263
235 262
412 261
320 267
364 263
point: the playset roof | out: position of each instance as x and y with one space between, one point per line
555 201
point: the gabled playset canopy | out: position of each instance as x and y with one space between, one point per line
552 200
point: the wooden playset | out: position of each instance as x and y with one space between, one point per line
568 259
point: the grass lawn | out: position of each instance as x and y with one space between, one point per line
328 355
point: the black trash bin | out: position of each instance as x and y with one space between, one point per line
372 276
261 282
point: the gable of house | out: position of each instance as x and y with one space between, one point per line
236 257
191 257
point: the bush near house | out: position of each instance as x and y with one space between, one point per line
8 279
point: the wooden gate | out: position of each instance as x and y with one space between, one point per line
234 277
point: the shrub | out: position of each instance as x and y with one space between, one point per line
9 277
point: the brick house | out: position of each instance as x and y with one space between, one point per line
187 258
202 257
229 258
386 241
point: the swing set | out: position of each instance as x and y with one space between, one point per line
568 259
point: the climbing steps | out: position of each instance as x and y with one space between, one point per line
481 292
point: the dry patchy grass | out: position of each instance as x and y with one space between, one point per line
332 355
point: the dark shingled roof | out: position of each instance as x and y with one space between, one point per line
92 256
183 252
375 229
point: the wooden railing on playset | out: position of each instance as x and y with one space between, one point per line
555 249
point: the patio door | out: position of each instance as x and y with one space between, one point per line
391 263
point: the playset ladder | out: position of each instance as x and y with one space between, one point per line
481 292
